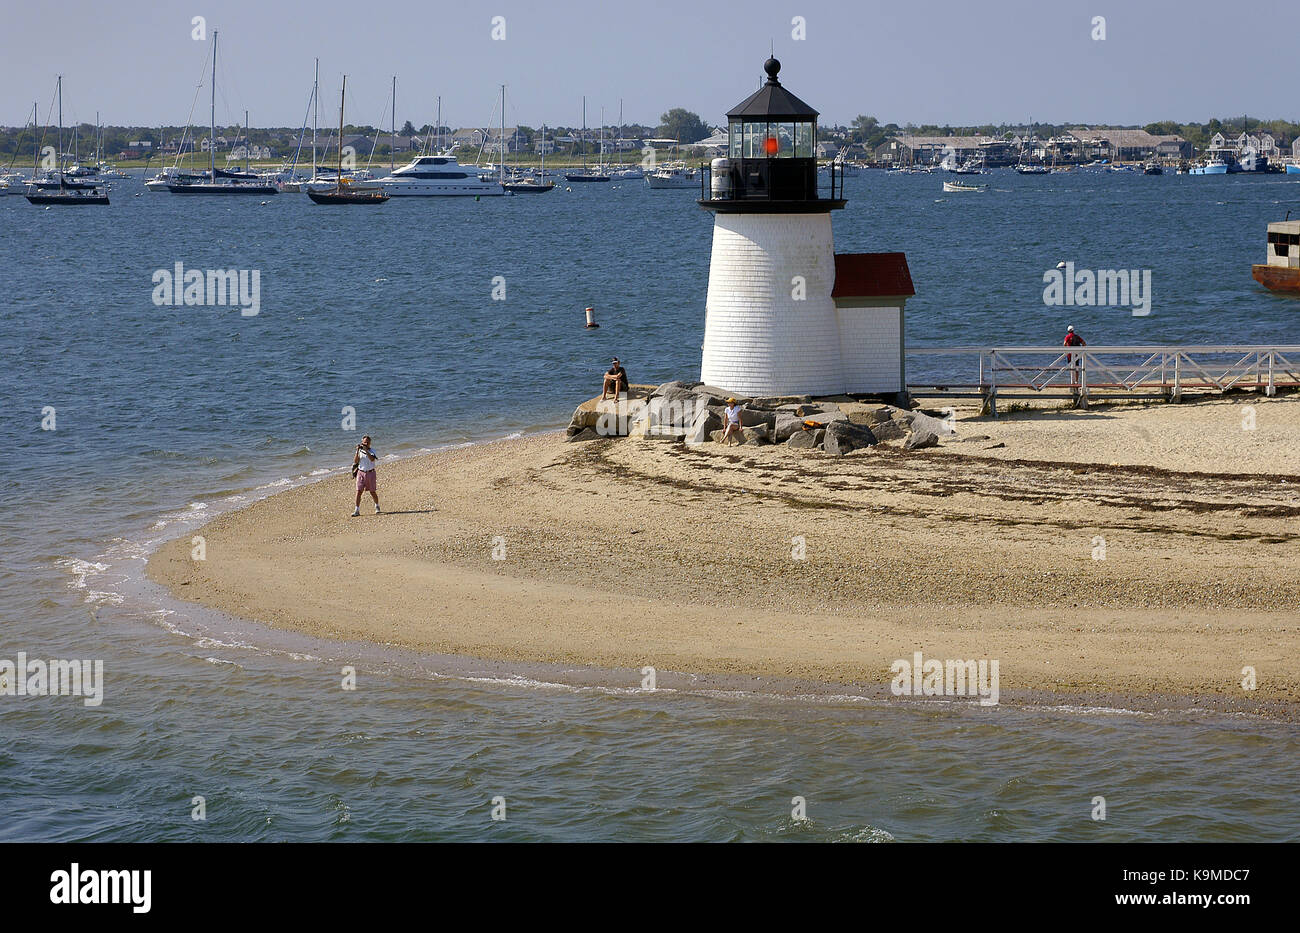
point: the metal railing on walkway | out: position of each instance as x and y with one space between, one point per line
1079 373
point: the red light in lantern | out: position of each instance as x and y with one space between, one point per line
770 145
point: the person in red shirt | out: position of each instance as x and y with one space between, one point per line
1073 340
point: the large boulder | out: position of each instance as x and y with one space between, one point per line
780 401
923 422
843 437
758 434
704 425
801 440
825 418
921 438
676 410
675 391
819 437
889 430
751 417
785 426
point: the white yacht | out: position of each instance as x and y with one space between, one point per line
439 176
673 175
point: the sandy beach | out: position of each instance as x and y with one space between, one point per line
1141 555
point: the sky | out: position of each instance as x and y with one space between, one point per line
921 61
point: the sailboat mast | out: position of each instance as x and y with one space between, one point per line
392 142
247 145
503 134
584 134
438 129
60 161
342 96
212 139
315 103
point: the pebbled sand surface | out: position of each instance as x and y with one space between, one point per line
626 553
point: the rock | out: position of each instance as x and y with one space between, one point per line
889 430
827 417
968 438
614 419
704 425
921 438
843 437
758 434
819 437
716 437
718 395
675 392
993 446
751 417
801 440
924 422
836 445
786 426
678 410
586 434
780 402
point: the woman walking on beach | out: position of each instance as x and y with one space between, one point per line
363 468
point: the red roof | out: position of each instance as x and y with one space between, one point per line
872 275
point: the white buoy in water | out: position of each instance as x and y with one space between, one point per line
1060 265
591 318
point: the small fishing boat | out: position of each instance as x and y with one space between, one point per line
1153 168
344 191
958 186
1293 168
1214 166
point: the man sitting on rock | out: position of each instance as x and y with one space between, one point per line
615 377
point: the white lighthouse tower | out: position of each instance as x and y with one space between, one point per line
772 325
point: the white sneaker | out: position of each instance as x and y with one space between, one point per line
376 508
356 512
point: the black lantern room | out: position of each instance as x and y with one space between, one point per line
771 163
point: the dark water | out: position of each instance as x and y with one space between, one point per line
167 415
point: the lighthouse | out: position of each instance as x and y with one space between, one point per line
780 319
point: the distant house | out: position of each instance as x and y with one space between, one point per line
543 146
1295 148
827 150
924 150
1116 143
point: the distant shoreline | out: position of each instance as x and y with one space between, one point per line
620 555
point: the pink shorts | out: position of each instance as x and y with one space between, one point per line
367 481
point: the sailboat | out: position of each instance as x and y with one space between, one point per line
585 174
522 185
57 189
345 193
219 181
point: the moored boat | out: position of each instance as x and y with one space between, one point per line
959 186
1281 271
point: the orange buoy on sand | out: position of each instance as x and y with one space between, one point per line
591 318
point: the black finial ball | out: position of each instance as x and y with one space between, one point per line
772 67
